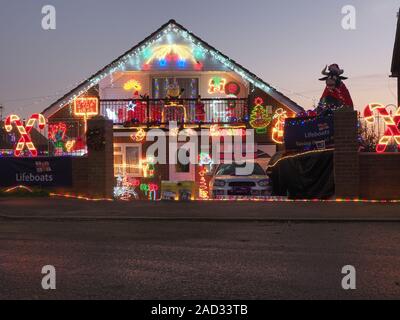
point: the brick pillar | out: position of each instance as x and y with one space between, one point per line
100 159
346 159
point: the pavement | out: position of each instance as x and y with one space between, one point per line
198 260
70 210
198 250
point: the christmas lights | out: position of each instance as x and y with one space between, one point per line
69 145
150 190
174 106
216 85
139 136
203 187
24 131
126 189
21 187
259 118
148 167
134 85
232 88
86 107
201 51
168 51
79 197
298 155
56 134
278 130
392 124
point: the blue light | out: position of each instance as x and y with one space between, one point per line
163 62
182 63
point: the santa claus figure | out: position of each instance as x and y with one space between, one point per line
336 94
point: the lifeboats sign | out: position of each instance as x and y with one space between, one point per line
40 172
309 133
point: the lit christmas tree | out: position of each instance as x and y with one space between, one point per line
259 118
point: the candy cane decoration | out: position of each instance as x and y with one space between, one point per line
25 139
391 122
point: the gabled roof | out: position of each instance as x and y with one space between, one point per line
119 63
396 51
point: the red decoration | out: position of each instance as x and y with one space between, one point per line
86 107
392 124
232 88
56 128
200 112
24 131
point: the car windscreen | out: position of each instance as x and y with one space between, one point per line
230 170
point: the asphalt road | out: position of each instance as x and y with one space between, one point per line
198 260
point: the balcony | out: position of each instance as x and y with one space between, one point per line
158 112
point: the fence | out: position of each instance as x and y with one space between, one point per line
183 111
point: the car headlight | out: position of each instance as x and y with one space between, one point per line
263 183
219 183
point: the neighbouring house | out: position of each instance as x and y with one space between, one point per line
396 58
172 75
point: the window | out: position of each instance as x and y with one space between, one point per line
190 86
180 167
127 160
132 160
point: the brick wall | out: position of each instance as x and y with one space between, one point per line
379 176
346 159
100 166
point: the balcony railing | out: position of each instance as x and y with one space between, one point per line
183 111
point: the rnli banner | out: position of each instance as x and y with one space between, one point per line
40 172
309 134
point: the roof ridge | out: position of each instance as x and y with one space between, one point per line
274 92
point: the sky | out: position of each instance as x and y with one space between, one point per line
286 43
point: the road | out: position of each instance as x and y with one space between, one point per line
198 260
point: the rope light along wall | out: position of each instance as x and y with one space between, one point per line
144 51
299 155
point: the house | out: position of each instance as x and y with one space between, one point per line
172 75
396 58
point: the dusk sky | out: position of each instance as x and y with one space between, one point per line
285 42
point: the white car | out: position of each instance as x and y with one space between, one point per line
226 182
